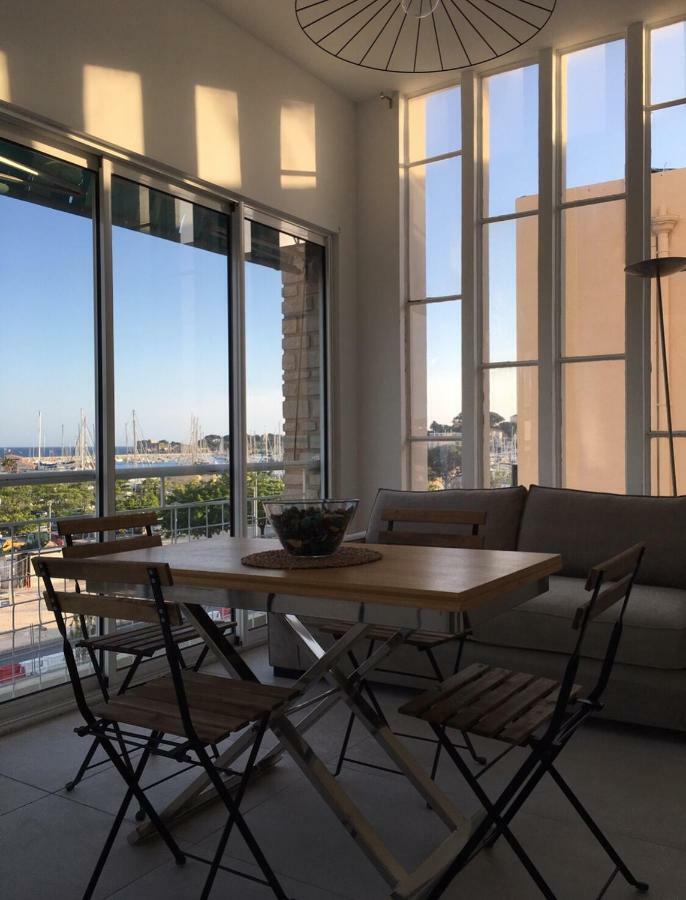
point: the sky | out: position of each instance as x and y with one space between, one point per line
171 315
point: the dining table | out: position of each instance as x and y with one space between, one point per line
408 587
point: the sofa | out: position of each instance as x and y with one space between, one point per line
648 684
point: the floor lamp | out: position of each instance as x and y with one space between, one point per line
660 267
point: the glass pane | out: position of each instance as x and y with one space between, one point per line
511 141
668 63
437 465
594 426
171 328
511 414
284 297
435 232
511 290
661 466
434 124
593 252
47 407
668 139
436 376
594 99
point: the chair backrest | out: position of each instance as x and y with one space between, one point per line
609 583
69 528
471 518
117 604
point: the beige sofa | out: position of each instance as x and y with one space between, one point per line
649 680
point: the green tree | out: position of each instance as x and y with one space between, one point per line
201 519
143 494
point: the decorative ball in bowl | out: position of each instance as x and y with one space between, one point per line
310 527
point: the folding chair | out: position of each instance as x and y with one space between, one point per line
141 641
538 713
423 641
197 710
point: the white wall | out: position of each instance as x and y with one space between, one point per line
381 355
178 82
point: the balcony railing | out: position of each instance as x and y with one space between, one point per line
30 646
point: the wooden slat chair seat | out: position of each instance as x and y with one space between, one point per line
176 716
139 641
523 710
450 528
218 706
491 702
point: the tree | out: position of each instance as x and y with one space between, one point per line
194 511
144 494
444 462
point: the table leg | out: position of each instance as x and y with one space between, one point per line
378 727
200 792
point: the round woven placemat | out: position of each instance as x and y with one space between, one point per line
280 559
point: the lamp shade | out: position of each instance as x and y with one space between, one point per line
421 35
658 265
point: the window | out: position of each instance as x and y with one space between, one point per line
556 344
667 123
509 240
171 328
118 329
434 183
47 406
592 254
285 387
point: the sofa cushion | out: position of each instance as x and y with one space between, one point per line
586 528
654 625
503 508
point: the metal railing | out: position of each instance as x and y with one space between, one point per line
31 656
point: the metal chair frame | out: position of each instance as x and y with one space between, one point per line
391 536
100 526
568 714
191 750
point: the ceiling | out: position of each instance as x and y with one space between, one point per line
574 21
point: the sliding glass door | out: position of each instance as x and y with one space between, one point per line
47 400
171 277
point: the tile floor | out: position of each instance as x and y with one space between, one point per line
633 780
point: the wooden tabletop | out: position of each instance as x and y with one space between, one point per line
419 577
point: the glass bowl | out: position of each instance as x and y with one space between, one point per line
310 527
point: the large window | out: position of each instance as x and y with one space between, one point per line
592 232
47 404
509 241
435 288
131 348
561 378
284 340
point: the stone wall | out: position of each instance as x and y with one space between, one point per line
301 366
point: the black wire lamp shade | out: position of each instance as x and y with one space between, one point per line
421 35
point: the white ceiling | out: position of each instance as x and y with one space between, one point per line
574 21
